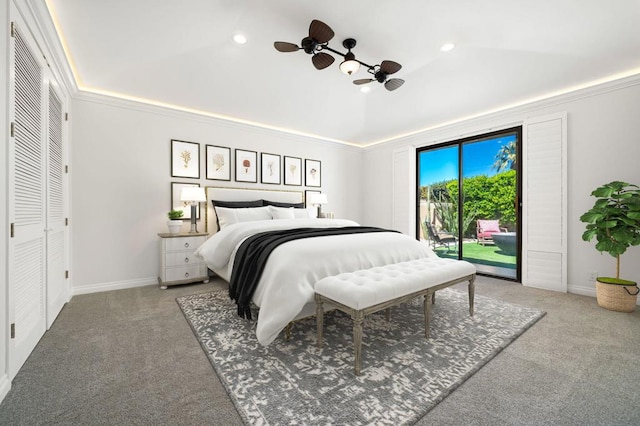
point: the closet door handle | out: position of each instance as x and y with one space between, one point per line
186 245
186 275
186 260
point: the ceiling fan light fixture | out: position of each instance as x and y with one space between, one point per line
349 65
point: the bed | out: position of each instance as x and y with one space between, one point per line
285 290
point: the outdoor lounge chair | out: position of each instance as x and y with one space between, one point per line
486 228
440 238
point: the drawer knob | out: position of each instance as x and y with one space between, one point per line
186 275
186 260
186 245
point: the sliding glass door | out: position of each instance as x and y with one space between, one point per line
468 201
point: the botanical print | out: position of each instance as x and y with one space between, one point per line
178 204
246 166
218 162
270 168
185 159
292 171
313 173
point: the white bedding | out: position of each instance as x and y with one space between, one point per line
285 290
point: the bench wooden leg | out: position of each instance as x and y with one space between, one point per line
319 320
387 314
433 298
358 318
287 331
427 313
472 289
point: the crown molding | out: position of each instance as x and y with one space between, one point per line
509 115
37 15
206 118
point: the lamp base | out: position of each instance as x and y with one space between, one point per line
194 224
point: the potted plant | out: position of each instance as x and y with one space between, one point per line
175 223
614 221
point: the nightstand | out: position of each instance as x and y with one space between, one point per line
178 263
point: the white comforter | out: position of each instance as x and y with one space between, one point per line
285 290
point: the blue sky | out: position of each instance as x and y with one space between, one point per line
478 157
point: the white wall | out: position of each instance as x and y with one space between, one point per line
603 145
4 119
120 180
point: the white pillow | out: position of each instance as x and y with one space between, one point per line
308 213
228 216
281 212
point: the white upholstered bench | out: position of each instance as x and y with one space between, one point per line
366 291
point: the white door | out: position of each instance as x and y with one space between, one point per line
544 193
27 176
55 189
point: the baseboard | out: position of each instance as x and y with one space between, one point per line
115 285
588 291
5 386
581 290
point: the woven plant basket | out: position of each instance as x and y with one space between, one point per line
617 297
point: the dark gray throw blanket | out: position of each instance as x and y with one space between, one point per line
253 253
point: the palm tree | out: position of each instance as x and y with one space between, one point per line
506 157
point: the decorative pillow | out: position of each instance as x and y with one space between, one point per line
238 204
279 204
227 216
308 213
281 212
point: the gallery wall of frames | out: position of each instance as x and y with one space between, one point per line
239 165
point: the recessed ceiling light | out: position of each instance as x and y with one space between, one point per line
447 47
365 89
240 39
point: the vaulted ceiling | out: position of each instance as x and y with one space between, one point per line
182 53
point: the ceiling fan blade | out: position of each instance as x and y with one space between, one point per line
322 60
390 67
394 83
320 32
283 46
363 81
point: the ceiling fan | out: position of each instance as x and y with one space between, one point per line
381 73
318 40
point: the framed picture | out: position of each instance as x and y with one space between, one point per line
313 173
292 171
185 159
218 162
306 196
246 166
185 206
270 168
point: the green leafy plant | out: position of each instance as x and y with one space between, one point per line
175 214
614 220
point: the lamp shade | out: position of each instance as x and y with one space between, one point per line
317 199
193 193
349 65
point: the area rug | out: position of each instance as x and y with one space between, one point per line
403 374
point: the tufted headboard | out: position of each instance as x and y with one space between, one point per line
244 194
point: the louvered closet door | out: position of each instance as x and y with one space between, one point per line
56 236
403 183
544 249
26 200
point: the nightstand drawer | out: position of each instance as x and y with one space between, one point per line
184 243
185 272
181 259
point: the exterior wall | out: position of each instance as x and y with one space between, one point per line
120 180
603 146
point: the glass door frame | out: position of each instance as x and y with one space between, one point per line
517 202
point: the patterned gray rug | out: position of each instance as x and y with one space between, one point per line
403 375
